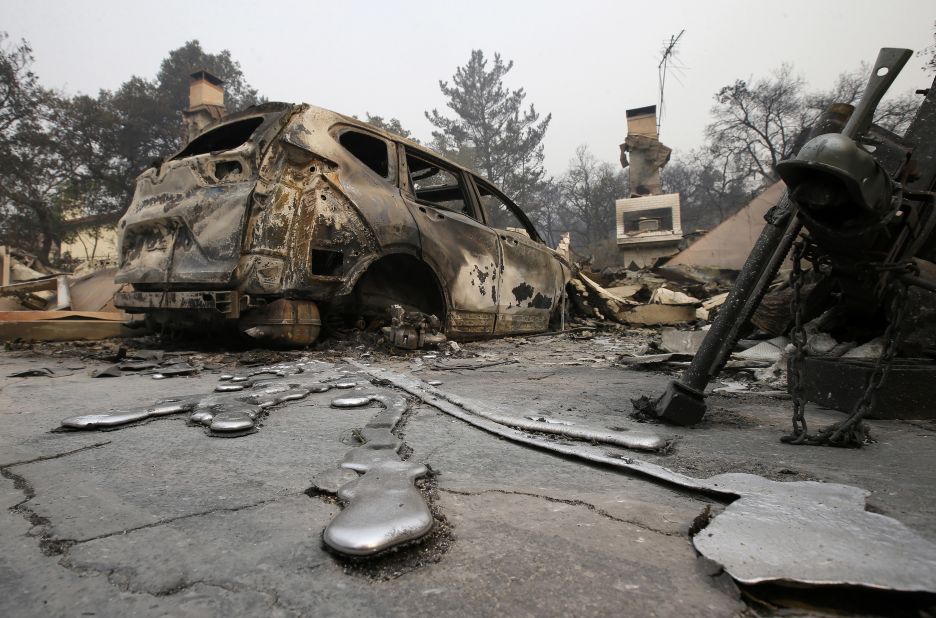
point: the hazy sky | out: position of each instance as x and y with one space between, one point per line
585 62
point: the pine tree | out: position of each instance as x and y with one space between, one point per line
491 131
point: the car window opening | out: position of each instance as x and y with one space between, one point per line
437 186
499 215
369 150
225 137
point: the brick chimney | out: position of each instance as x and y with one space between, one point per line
206 104
647 154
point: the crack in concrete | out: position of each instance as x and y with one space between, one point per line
227 586
48 545
55 456
169 520
570 501
235 587
442 447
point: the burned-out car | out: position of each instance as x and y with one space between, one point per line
281 211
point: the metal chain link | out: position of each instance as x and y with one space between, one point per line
797 368
850 432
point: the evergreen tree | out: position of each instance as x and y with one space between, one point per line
391 125
491 131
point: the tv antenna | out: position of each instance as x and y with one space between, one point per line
669 53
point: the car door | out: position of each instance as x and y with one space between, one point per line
532 279
462 251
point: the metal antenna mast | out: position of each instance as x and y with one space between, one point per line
668 53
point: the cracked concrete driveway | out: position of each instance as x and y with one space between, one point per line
160 519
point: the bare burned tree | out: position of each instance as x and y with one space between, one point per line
756 124
929 54
894 113
589 189
708 194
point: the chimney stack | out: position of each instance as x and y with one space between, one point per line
647 154
206 103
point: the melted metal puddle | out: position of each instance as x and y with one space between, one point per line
234 408
799 532
383 506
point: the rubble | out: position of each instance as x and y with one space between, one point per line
667 307
52 306
412 330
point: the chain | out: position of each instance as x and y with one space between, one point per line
850 432
798 361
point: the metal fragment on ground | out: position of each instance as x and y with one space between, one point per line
91 421
201 416
231 421
351 402
551 421
636 440
123 417
231 409
384 507
799 532
813 533
230 388
172 406
175 369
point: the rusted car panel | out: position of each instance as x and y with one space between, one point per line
186 220
297 202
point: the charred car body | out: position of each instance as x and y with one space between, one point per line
281 210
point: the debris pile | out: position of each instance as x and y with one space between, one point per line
39 303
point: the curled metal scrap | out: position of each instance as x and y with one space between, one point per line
636 440
801 531
384 507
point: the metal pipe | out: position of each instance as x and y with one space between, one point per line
683 402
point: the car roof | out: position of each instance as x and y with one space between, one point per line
265 108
